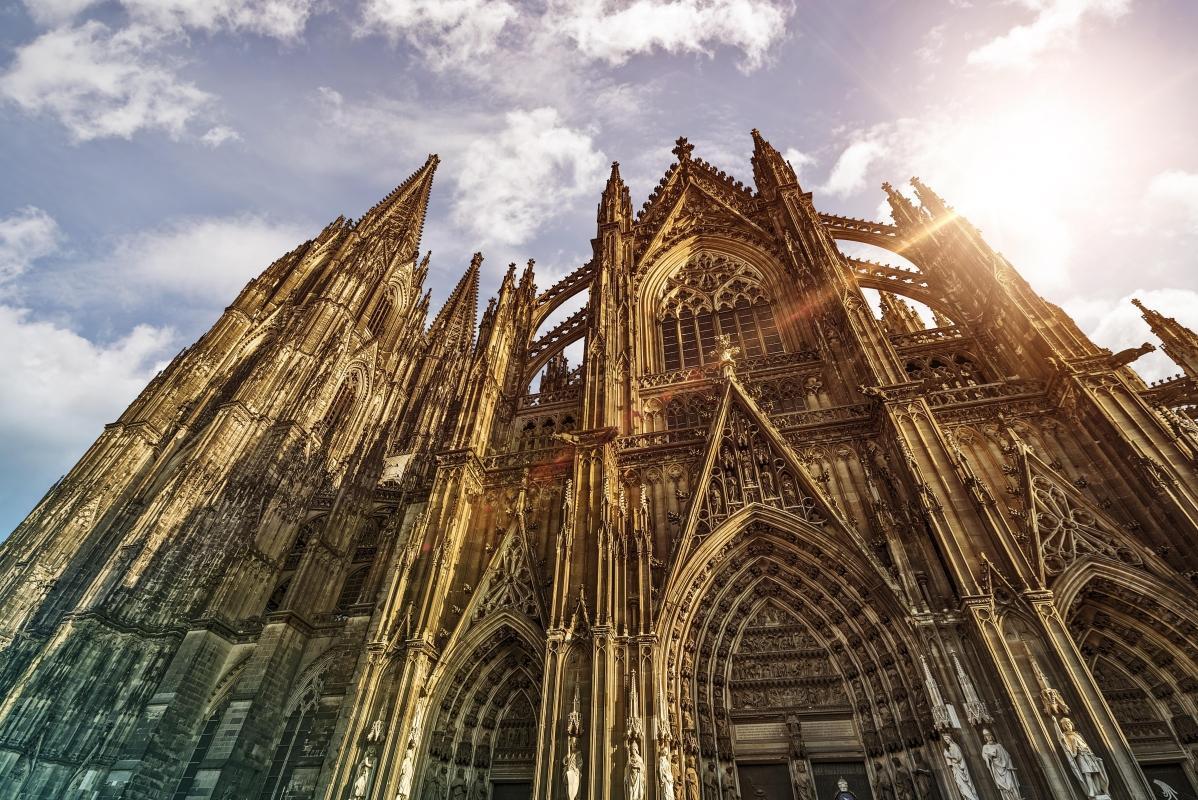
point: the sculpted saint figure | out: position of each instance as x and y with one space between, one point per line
998 761
665 774
434 786
960 770
459 790
842 791
634 772
573 764
362 779
405 774
1087 767
882 782
904 787
692 783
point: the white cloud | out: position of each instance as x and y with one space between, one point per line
616 31
1121 326
1056 24
446 32
26 236
99 83
1173 201
852 167
220 134
207 259
281 19
799 160
60 388
514 181
933 43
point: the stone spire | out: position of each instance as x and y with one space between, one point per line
903 210
454 324
1180 343
932 202
770 170
401 213
616 203
898 317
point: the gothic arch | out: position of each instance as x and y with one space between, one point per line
495 667
859 681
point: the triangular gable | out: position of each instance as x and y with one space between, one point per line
1063 525
696 210
510 583
748 462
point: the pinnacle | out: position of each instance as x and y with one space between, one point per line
683 149
402 211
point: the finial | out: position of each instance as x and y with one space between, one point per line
726 352
683 149
476 260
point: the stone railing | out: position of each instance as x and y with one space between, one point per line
744 367
985 392
930 336
567 394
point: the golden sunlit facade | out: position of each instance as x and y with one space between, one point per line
797 526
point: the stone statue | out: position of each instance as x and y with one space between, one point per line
883 782
1087 767
904 787
405 773
573 764
802 781
842 791
665 773
362 776
482 787
730 785
925 779
711 786
998 761
434 786
634 772
959 769
460 790
692 783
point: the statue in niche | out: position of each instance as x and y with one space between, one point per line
434 785
460 789
482 787
711 785
904 787
842 791
790 496
363 773
955 759
802 780
717 502
883 782
634 772
767 484
692 783
665 772
730 792
573 763
1087 767
924 778
730 486
406 769
1002 769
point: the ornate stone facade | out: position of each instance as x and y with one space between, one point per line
761 542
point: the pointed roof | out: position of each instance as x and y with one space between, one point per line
616 203
770 169
903 210
749 463
688 170
931 201
1180 343
454 323
401 213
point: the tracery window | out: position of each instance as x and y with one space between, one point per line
302 748
716 295
379 316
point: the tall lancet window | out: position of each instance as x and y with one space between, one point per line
715 295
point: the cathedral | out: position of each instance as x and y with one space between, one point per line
758 519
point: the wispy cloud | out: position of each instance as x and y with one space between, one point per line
1056 24
446 32
25 236
515 181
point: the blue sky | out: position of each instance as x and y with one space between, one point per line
158 153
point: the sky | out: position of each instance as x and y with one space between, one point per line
156 154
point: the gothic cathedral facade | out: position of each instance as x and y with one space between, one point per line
797 526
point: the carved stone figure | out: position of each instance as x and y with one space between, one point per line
692 782
904 787
363 774
998 761
573 764
634 772
460 789
802 780
1087 767
665 773
955 758
406 769
434 785
711 784
883 784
